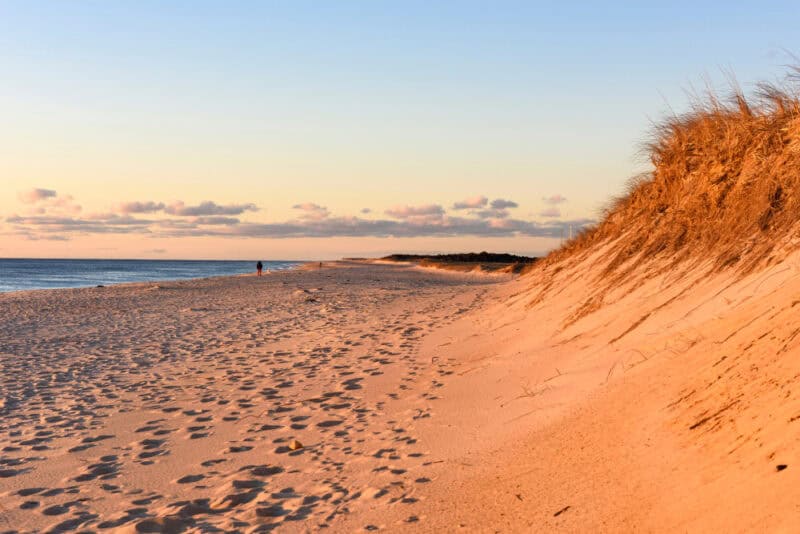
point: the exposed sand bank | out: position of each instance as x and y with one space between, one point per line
425 401
672 407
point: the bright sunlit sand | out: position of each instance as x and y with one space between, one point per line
181 404
366 396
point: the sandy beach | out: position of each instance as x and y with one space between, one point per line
422 401
175 405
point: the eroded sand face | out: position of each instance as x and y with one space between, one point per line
174 405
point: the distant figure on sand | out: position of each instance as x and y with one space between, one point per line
259 267
320 265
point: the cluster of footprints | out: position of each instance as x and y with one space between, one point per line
176 406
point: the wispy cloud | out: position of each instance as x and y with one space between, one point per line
554 200
71 225
331 227
501 204
35 195
141 207
48 202
208 208
491 213
550 212
312 211
471 203
407 212
215 221
181 209
211 219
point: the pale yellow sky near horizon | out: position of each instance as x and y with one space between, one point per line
99 181
95 200
107 247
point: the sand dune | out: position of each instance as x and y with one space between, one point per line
672 408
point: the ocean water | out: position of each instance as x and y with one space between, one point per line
23 274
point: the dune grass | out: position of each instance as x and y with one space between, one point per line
724 187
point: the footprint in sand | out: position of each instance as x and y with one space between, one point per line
190 479
105 469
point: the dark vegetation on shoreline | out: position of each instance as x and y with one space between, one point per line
471 257
473 261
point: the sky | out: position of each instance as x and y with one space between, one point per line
317 130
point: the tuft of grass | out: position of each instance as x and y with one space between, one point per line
725 186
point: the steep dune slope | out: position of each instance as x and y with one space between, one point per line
674 407
644 376
684 300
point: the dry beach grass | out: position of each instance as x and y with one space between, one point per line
723 186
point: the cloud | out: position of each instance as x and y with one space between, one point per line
55 206
114 218
366 211
405 212
471 203
47 237
41 227
48 202
312 211
180 209
46 224
215 221
501 204
35 195
447 227
554 200
63 204
141 207
491 213
212 219
208 208
550 212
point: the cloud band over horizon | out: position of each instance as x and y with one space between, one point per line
50 219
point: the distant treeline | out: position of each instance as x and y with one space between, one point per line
472 257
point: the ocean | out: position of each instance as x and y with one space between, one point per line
23 274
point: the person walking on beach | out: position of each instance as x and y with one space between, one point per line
259 267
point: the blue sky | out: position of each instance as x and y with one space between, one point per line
349 106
